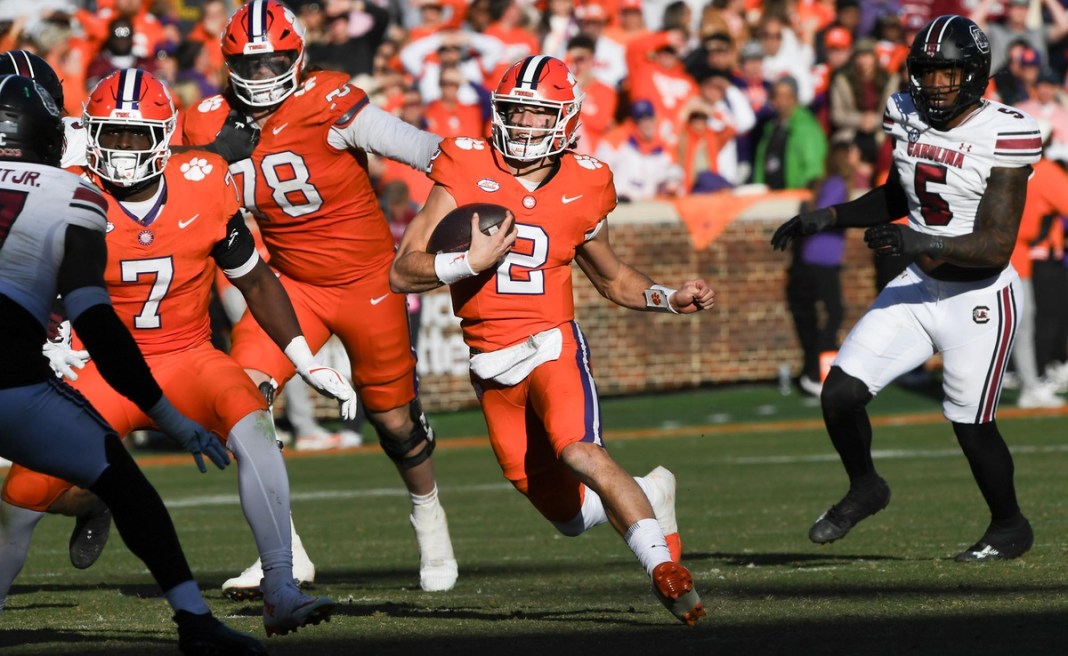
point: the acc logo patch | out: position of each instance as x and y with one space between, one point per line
145 237
529 202
487 185
981 314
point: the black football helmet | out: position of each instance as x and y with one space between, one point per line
948 42
27 64
30 127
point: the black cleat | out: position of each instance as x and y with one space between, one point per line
89 536
203 635
844 515
1000 542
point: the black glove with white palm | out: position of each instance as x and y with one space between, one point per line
237 138
193 437
896 239
802 225
325 380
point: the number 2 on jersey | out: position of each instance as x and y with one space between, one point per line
516 273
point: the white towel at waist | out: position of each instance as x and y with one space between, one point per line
510 366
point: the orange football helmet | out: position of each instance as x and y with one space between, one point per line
264 48
533 86
129 100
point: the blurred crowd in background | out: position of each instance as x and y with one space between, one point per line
681 98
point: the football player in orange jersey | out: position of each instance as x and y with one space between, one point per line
53 241
169 224
308 188
530 362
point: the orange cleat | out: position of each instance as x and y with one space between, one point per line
673 586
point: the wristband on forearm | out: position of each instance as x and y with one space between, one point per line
299 353
658 299
451 267
875 207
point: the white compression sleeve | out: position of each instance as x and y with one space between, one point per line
378 131
264 489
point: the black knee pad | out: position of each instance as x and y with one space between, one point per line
844 392
421 432
268 390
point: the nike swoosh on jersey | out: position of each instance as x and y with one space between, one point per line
279 128
183 224
376 301
565 200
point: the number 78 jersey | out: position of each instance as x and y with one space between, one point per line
944 174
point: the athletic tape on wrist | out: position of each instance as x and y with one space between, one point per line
451 267
658 298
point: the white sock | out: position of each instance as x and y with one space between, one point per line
16 530
590 514
646 540
425 504
264 489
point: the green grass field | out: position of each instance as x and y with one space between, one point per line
754 470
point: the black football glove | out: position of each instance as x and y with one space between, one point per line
802 225
896 239
237 138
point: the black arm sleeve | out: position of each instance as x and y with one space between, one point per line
238 246
880 205
116 355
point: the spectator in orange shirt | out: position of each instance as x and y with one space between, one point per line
629 24
148 32
117 53
212 22
890 45
703 133
509 28
448 117
598 108
657 75
609 57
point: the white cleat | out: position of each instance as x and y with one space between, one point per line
437 564
663 501
246 585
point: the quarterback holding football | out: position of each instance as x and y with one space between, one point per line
530 362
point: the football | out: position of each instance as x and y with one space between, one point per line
453 233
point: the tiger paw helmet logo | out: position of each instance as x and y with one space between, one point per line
981 314
196 169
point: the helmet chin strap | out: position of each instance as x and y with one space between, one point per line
121 192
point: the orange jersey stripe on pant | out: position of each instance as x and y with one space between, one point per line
531 423
204 384
369 319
